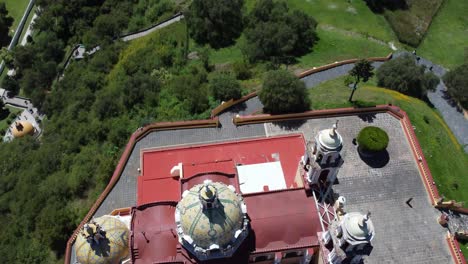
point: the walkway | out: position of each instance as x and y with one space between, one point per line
150 30
444 104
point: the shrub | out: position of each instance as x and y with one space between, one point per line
283 92
241 70
225 87
457 84
403 75
372 139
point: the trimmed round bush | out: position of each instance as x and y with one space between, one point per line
372 139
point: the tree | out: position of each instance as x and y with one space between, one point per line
215 22
277 34
5 23
457 84
7 57
403 75
225 87
283 92
363 69
11 85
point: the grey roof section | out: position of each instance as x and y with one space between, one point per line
124 192
403 234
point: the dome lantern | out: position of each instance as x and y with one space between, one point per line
103 240
211 220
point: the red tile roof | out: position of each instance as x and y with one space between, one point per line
279 220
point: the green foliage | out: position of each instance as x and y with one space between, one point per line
7 57
215 22
409 19
362 69
283 93
450 23
5 23
147 13
11 85
457 84
403 75
241 70
276 33
225 87
372 139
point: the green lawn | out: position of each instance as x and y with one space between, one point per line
332 46
336 46
411 24
446 41
16 10
349 15
436 139
3 122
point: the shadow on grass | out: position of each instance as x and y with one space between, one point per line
375 160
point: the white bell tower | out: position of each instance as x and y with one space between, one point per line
322 158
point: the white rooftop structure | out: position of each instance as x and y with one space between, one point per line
260 177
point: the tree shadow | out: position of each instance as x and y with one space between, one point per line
290 125
369 118
375 160
446 96
379 6
238 108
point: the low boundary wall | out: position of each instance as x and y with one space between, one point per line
226 105
135 137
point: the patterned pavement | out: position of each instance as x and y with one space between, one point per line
403 234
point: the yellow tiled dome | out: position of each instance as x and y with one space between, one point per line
111 249
22 128
218 223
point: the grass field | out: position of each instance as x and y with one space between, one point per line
436 139
16 10
3 122
349 15
335 46
446 41
410 25
332 46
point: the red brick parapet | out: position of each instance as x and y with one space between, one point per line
135 137
226 105
455 249
339 63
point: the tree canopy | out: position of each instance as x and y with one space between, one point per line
283 92
362 70
457 84
215 22
405 76
225 87
276 33
5 23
